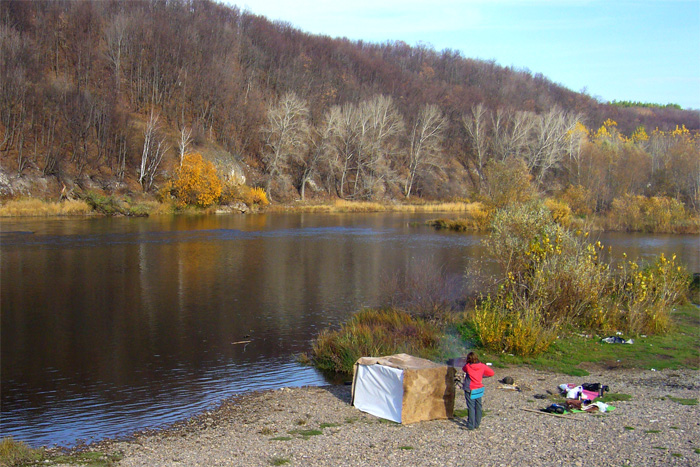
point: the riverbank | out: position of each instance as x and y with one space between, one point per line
317 426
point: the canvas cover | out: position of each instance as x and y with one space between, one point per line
403 388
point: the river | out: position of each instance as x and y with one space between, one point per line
112 325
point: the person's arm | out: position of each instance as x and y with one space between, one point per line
488 372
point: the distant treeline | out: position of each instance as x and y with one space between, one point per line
649 105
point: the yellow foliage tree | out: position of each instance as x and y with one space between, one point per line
639 135
196 182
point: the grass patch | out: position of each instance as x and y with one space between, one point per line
614 397
676 454
17 452
406 448
660 448
351 420
677 349
33 207
91 459
683 401
461 413
388 422
306 433
281 438
279 461
344 206
697 450
328 425
629 428
111 206
652 431
374 332
266 431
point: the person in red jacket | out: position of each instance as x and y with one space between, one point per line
474 389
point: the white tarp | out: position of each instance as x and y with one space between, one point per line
403 388
379 391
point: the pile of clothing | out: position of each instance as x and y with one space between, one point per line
582 397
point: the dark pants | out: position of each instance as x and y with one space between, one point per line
474 411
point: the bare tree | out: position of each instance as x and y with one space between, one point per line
318 148
425 143
549 142
154 148
475 124
286 134
510 132
184 141
116 38
576 138
340 155
380 126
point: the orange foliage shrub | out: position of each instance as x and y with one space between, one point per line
579 199
196 182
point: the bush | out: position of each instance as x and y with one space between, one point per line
196 183
374 333
645 295
244 194
655 214
559 210
553 277
508 182
579 199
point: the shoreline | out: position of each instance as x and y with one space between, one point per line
317 426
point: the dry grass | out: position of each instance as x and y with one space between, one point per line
343 206
28 207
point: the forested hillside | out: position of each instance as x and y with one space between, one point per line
110 95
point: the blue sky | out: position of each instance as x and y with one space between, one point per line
644 50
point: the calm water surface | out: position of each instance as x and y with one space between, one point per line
113 325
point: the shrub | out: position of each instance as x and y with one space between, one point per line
244 194
579 199
374 333
645 295
554 277
649 214
508 182
559 210
195 182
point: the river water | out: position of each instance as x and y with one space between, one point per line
113 325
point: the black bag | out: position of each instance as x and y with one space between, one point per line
596 387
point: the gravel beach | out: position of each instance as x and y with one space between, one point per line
317 426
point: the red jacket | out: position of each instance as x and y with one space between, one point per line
475 371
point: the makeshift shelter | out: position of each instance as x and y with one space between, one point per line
403 388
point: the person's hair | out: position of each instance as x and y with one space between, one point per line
472 357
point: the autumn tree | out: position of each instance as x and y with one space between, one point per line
196 182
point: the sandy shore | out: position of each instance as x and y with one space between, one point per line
318 427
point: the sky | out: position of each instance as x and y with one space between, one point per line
642 50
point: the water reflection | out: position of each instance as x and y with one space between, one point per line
111 325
